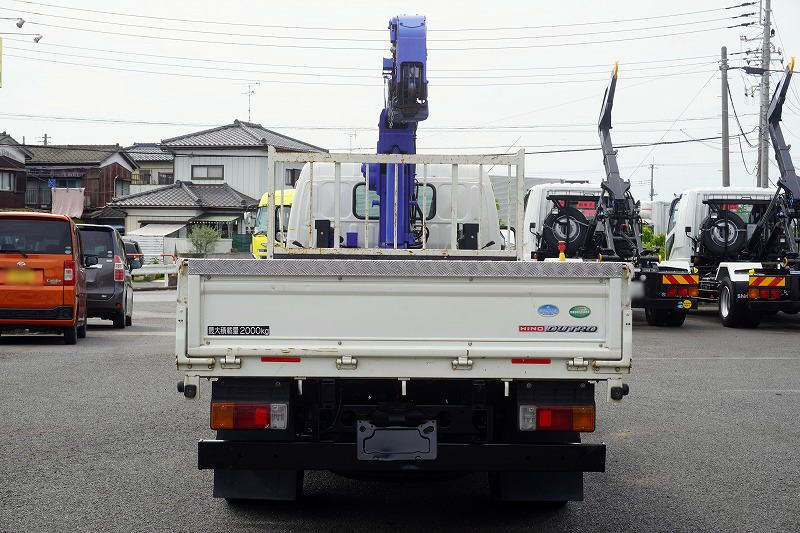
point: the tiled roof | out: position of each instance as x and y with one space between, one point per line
147 152
8 140
187 194
240 135
105 212
74 154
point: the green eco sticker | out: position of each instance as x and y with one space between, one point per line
580 311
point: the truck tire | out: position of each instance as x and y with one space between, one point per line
556 230
724 236
82 331
669 318
732 313
240 486
128 321
71 334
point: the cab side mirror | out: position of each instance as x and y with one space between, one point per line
135 263
532 227
89 260
687 230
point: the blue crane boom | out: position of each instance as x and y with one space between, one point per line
406 105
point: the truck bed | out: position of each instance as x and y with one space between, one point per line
403 319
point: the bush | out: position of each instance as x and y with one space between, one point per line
651 241
203 237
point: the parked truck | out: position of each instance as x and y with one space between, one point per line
744 241
603 222
404 345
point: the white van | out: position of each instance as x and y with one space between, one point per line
475 205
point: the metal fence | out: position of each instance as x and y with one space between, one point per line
510 211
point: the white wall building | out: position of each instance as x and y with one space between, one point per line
234 154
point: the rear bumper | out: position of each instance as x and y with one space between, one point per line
664 303
62 315
260 455
97 306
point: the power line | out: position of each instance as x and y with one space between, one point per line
673 123
736 115
567 149
329 28
362 48
370 69
338 75
346 84
465 129
353 39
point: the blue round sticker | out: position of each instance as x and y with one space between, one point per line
548 310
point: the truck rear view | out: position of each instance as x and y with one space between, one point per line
403 362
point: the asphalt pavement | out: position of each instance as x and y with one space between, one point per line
96 438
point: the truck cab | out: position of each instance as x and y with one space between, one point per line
690 212
708 230
283 204
563 213
311 219
557 212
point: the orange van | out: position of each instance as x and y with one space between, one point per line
42 276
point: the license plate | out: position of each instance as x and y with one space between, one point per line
21 276
396 443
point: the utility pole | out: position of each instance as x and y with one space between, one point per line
726 159
44 139
763 133
652 192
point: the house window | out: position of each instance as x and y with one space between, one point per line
292 175
207 172
122 188
141 177
165 178
6 181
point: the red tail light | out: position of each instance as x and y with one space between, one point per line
774 293
119 269
226 415
672 291
556 418
69 272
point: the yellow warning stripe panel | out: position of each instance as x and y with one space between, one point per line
767 281
680 279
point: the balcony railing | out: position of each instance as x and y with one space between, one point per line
38 198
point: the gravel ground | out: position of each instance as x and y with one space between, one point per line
96 438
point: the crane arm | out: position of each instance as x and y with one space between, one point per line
773 238
406 105
617 213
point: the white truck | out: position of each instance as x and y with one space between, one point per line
451 358
744 242
563 213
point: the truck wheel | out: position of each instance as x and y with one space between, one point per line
82 331
71 334
239 486
732 313
651 316
128 320
552 488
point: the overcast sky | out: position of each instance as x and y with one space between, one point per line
547 98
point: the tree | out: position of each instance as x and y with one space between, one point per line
652 241
203 237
